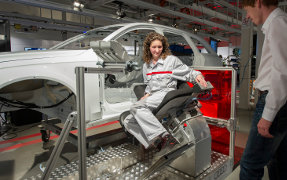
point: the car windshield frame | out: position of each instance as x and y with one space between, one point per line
88 34
121 29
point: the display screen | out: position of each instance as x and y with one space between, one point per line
213 44
33 49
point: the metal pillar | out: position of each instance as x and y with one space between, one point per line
5 36
59 145
80 84
232 119
245 64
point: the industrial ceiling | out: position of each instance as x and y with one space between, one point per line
214 18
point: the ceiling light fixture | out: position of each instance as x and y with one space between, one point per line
186 2
78 6
120 12
196 28
151 18
174 24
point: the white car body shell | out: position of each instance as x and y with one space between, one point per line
58 66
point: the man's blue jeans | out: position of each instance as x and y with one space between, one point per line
261 151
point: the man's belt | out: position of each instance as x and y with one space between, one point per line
262 92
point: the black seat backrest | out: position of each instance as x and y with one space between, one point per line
139 91
173 99
182 84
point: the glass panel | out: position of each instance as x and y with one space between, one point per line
199 46
180 48
219 106
82 41
220 139
119 88
133 41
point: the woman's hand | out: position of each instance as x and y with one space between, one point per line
200 80
145 96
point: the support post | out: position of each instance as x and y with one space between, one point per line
59 145
245 64
80 84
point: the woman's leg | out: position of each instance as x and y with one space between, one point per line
143 124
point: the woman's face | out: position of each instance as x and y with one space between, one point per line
156 49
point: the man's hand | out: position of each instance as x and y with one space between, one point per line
263 128
144 96
200 80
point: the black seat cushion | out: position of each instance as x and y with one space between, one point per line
175 98
172 99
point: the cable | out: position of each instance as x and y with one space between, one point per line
244 70
24 129
4 124
4 136
3 119
201 98
19 104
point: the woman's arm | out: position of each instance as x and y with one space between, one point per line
182 72
145 96
147 89
200 80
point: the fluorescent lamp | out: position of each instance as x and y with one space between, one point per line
77 4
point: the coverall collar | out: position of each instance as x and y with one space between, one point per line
160 61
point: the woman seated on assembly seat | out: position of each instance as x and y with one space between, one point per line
161 71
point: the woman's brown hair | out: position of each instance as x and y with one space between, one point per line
147 56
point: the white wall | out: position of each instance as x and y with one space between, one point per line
40 39
225 51
18 44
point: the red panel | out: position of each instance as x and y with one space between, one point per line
219 106
220 139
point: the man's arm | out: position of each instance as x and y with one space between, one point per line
277 94
263 128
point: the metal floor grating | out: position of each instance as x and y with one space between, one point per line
126 162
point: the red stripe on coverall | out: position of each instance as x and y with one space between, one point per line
161 72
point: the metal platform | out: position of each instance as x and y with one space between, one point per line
128 161
95 136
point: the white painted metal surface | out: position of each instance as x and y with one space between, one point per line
55 71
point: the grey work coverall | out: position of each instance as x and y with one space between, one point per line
160 78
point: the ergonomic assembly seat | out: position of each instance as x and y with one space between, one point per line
180 115
174 103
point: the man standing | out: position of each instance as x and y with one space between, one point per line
267 141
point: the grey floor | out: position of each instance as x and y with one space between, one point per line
26 161
244 118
